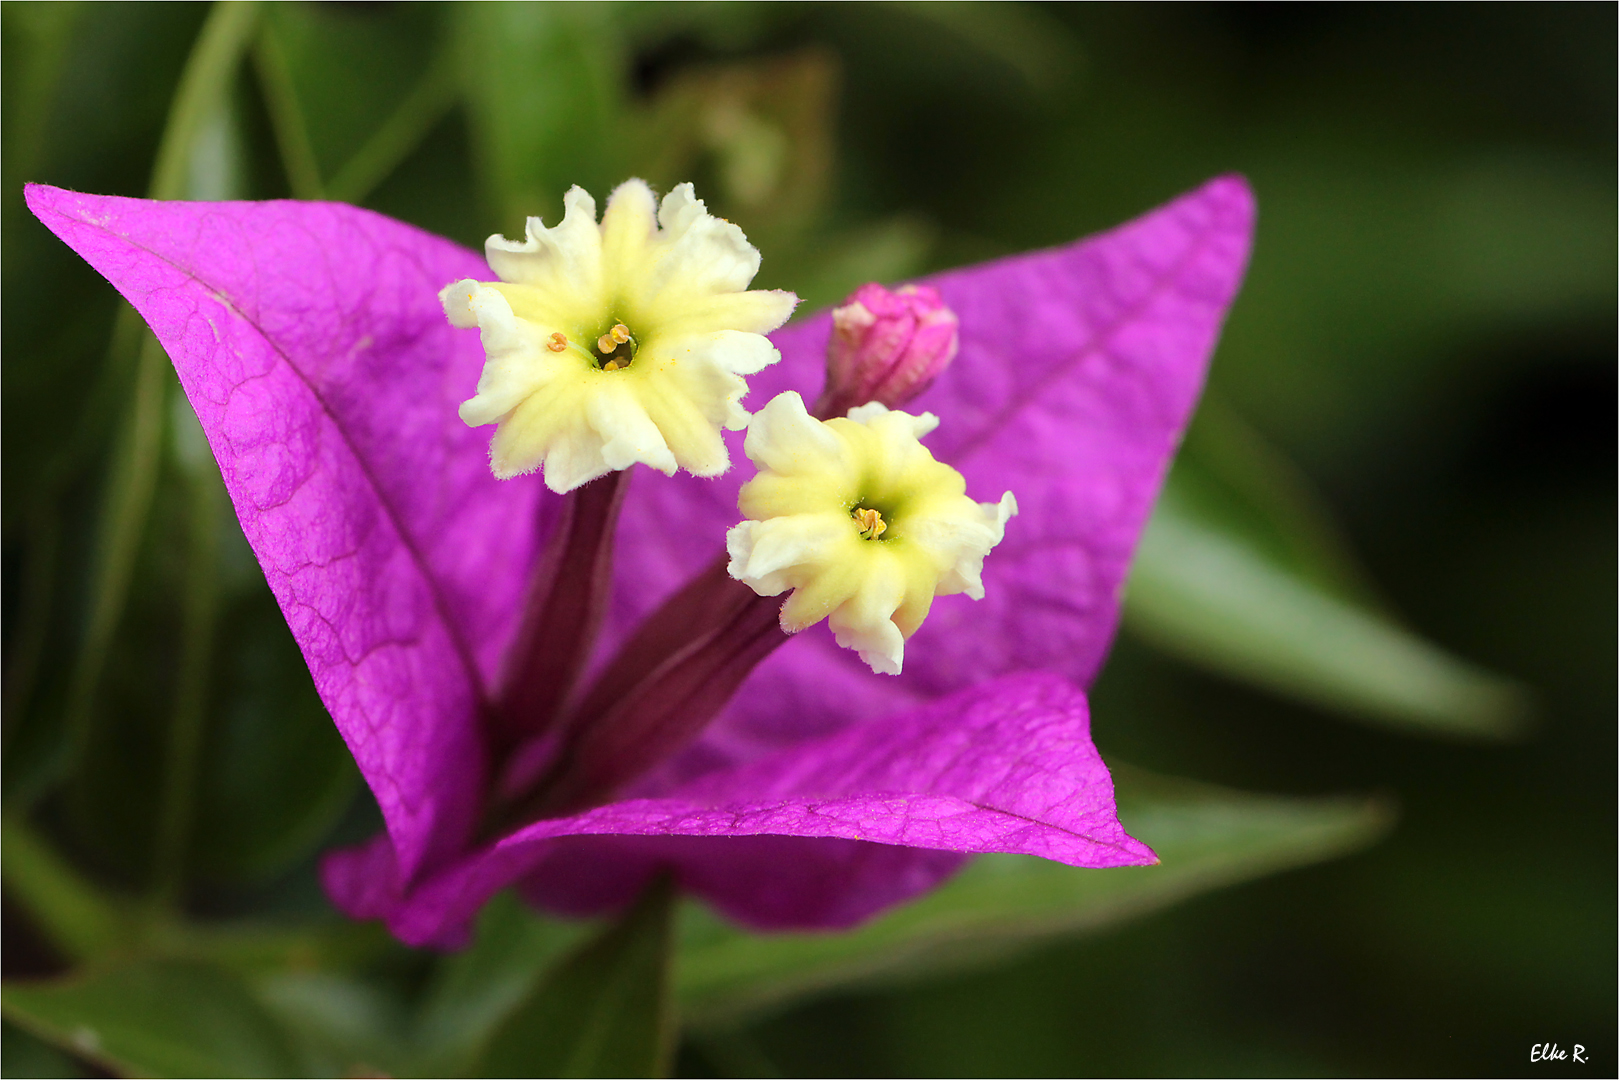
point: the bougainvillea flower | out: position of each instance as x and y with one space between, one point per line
860 522
310 340
619 343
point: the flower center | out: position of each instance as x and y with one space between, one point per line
814 477
870 521
615 348
551 325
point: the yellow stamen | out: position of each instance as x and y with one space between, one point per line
871 522
605 344
619 333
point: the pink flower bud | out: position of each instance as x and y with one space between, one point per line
886 346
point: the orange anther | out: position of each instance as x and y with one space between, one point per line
557 343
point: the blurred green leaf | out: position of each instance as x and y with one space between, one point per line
1526 236
39 580
543 85
400 134
125 504
349 69
1206 837
141 743
1211 592
202 99
1381 269
758 140
22 1054
888 251
714 26
286 114
1041 49
475 990
156 1018
72 912
276 775
196 154
206 512
114 799
240 708
755 137
85 100
351 91
338 1026
38 37
604 1011
256 950
1233 478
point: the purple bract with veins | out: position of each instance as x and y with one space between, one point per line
310 339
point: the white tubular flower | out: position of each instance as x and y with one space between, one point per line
620 342
856 517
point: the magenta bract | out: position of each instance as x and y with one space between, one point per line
310 341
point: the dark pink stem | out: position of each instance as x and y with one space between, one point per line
663 688
567 597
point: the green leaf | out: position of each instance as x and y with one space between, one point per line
1206 837
476 989
286 113
1207 595
1241 572
156 1018
85 101
604 1011
1380 270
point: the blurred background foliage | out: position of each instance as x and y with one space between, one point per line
1379 586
